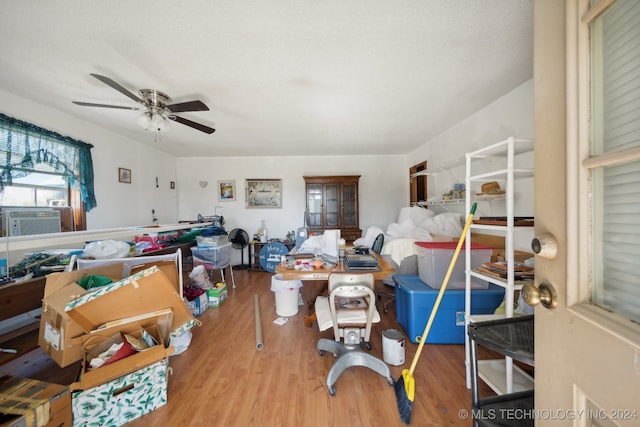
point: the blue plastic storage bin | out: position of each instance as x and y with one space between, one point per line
415 300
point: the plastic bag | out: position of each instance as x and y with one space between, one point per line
106 249
181 342
278 285
200 278
94 281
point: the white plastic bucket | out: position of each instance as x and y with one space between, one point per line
393 347
286 295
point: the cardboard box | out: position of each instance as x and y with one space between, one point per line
518 256
126 305
132 265
28 402
58 334
198 305
415 301
217 294
498 245
144 390
144 300
168 267
98 341
61 330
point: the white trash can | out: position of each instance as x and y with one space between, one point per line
286 294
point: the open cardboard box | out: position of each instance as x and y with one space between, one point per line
157 324
127 305
58 334
168 267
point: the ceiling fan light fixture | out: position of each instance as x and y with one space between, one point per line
155 107
154 121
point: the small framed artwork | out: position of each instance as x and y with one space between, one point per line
264 193
227 190
124 175
172 185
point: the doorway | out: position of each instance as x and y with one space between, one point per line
418 184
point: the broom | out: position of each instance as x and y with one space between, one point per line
405 385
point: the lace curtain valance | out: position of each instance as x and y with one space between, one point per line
26 148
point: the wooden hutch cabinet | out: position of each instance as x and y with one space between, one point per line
332 203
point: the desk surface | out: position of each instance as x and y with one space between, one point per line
323 273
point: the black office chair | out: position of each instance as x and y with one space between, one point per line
384 296
378 243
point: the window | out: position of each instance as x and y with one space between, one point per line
614 161
36 189
43 168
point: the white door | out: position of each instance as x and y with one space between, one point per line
587 358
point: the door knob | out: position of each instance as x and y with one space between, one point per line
545 245
545 294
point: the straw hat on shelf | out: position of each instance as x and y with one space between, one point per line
490 188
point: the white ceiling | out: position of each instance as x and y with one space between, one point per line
281 77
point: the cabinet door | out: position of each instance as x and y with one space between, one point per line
332 205
350 205
314 205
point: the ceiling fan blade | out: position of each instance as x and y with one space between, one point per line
198 126
91 104
182 107
116 86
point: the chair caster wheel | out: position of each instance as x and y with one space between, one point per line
321 352
332 390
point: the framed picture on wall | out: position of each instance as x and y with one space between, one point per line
227 190
263 193
124 175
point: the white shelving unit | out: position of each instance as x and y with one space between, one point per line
501 375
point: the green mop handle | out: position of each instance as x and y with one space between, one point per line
423 338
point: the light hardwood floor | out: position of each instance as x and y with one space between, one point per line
222 380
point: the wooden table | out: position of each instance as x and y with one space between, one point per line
322 274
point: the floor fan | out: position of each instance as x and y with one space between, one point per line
239 240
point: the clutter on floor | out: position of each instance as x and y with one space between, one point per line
121 332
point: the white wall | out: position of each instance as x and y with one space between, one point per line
119 204
510 115
383 188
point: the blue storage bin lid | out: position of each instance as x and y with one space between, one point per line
412 284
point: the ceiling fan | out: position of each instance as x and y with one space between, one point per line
155 107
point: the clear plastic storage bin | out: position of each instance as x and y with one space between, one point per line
212 257
434 259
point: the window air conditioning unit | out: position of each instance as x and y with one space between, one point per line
31 221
